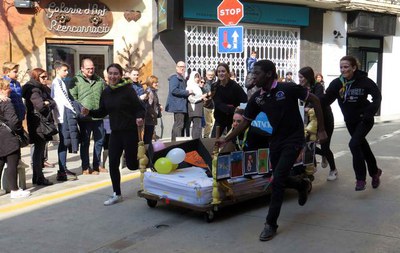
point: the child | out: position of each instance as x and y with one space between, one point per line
65 116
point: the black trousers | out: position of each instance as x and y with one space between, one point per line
282 162
12 163
148 133
120 141
361 150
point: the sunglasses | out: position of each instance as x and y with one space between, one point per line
44 77
202 82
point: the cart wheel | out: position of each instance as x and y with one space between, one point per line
209 216
151 203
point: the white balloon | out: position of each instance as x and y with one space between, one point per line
176 155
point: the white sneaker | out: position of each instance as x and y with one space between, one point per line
324 162
19 194
332 175
113 200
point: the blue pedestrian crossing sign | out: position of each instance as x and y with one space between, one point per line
230 39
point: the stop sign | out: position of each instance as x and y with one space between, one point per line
230 12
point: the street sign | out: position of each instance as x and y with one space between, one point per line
230 12
230 39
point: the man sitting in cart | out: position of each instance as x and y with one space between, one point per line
279 101
253 138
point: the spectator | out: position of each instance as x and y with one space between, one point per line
289 77
279 102
177 99
153 109
10 71
65 115
250 61
195 104
86 88
320 79
38 100
227 96
352 90
9 148
208 106
126 113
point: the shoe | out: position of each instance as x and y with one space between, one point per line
86 172
360 185
324 162
70 172
62 176
2 192
19 194
44 182
332 175
95 172
49 165
22 165
268 233
102 170
113 200
376 179
303 193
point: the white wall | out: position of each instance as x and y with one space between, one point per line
332 50
390 106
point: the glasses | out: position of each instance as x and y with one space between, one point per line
181 66
43 77
202 82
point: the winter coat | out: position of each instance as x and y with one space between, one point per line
9 142
70 130
152 108
16 98
35 94
177 95
87 91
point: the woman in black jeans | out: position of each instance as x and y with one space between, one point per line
120 101
352 89
307 79
38 100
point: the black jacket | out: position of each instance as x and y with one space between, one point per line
122 105
353 97
35 94
9 143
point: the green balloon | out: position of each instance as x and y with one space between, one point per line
163 165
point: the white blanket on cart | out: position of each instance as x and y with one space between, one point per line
191 185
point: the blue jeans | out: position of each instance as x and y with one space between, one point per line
62 150
86 129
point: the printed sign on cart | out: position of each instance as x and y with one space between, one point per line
230 39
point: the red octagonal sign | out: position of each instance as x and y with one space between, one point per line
230 12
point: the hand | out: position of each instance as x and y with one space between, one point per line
143 97
139 122
191 92
322 136
220 142
161 108
84 111
46 102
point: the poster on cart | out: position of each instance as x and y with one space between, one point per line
263 161
250 162
223 167
237 164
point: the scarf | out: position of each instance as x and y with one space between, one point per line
346 85
122 83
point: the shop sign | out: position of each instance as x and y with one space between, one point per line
78 18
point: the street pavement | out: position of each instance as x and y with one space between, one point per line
71 217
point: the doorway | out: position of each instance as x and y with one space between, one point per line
369 53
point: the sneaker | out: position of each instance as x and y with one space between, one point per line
268 233
332 175
49 165
324 162
113 200
303 193
376 179
360 185
19 194
2 192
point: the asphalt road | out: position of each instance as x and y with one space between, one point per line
70 217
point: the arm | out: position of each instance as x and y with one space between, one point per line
10 117
99 113
239 129
175 89
38 102
373 107
73 88
320 117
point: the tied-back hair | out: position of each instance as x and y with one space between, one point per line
353 61
308 74
4 84
226 67
151 80
239 111
117 66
